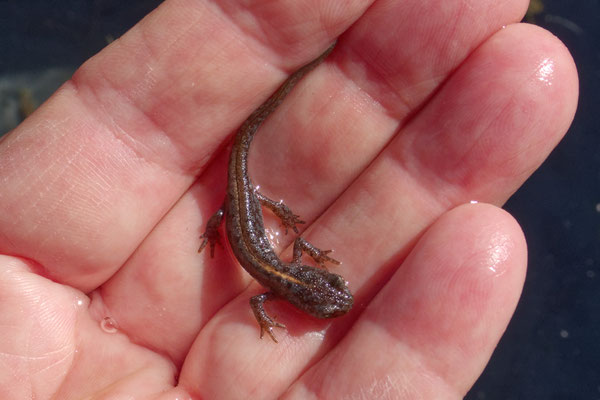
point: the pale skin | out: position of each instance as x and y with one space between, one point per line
422 107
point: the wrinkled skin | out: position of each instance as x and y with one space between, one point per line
422 107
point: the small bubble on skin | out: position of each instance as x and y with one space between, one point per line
108 325
162 311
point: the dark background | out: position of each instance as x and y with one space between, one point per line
551 349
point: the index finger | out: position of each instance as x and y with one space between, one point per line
89 174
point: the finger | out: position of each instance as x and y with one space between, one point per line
431 330
93 170
56 350
41 319
495 121
388 66
163 295
324 120
378 218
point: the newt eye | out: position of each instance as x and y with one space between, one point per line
337 281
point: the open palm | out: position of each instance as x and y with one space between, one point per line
423 108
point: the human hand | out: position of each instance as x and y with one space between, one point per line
421 108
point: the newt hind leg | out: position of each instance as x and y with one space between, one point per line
283 212
211 235
289 220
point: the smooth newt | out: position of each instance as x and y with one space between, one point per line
313 290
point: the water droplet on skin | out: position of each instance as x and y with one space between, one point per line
108 325
274 236
545 71
80 301
499 251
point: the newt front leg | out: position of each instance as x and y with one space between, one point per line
266 323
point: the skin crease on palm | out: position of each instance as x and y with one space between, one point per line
423 109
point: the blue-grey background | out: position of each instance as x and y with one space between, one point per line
551 349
